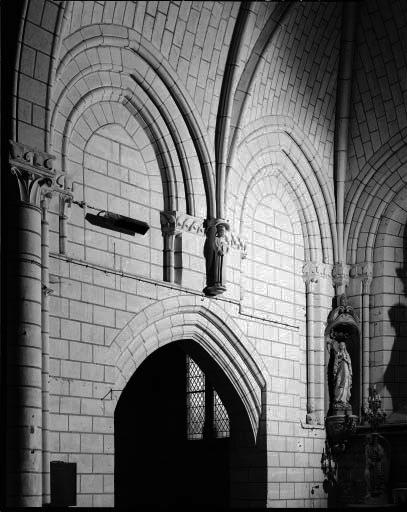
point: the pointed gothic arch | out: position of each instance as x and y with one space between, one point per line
187 318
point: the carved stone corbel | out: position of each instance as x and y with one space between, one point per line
340 276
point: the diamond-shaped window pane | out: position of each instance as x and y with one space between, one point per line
195 414
195 377
220 417
195 400
196 405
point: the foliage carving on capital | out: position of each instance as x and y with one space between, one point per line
363 271
340 274
312 271
236 242
174 223
168 221
32 187
190 224
33 170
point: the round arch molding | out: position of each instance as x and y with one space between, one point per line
186 318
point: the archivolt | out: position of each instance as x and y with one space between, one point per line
273 148
109 83
148 72
186 318
382 179
265 182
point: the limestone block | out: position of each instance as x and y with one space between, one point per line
92 483
91 443
104 463
69 442
103 500
83 461
79 351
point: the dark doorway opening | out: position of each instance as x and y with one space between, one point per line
156 464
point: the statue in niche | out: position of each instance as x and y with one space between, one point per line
340 370
342 375
342 332
215 249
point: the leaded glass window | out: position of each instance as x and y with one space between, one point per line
195 400
206 414
220 417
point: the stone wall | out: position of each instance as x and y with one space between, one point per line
106 278
130 98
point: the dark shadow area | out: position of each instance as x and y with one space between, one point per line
247 457
395 376
11 13
155 464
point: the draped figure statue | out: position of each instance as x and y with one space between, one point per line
215 249
342 375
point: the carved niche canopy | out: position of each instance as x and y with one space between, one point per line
342 319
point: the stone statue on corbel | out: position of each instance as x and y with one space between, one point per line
215 250
342 336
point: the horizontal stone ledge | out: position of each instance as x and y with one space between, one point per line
107 270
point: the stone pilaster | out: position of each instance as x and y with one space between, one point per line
364 272
311 277
65 192
46 291
169 230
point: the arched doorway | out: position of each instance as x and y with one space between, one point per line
167 454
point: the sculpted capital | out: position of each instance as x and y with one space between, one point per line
363 271
34 172
313 272
310 272
340 274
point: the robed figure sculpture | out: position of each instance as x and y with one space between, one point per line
342 338
215 250
342 375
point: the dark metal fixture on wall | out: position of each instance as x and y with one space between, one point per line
117 222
